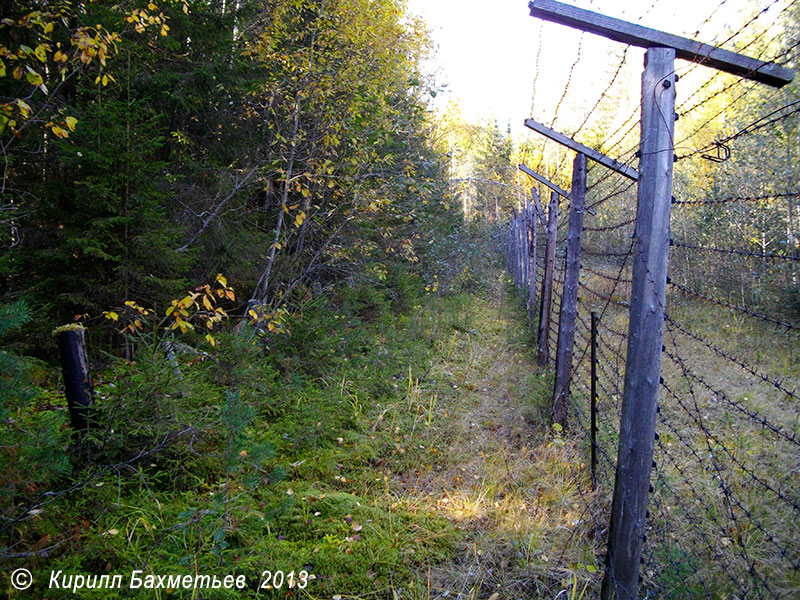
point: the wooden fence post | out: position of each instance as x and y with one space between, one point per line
77 380
648 295
532 257
526 245
547 282
569 296
514 246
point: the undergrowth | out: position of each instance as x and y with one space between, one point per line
393 444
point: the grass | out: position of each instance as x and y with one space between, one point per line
394 446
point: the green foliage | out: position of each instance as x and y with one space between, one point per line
34 439
287 145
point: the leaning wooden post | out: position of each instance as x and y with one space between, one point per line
646 324
569 296
547 282
78 389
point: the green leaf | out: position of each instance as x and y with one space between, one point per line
34 78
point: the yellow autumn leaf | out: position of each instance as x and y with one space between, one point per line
207 302
105 80
222 280
71 122
298 220
41 52
111 315
62 133
24 107
211 339
57 56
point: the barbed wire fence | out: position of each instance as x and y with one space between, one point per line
724 487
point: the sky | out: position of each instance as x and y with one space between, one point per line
490 52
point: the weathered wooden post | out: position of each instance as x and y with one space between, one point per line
651 244
532 255
645 329
516 248
513 244
569 296
547 282
78 389
526 245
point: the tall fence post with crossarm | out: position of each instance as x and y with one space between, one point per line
546 304
645 329
651 246
569 295
532 240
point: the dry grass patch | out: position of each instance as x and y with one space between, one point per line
481 454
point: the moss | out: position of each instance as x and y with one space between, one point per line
68 327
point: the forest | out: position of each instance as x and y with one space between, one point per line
309 370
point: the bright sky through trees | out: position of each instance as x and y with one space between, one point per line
487 51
